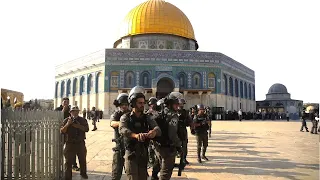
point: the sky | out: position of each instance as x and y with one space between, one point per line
278 39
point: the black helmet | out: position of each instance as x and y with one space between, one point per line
121 99
152 100
135 93
182 101
173 98
200 106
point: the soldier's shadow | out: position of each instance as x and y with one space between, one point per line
249 161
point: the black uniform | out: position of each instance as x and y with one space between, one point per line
75 145
118 160
136 153
304 124
184 121
167 145
201 133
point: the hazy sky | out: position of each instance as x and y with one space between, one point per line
278 39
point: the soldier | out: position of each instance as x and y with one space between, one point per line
94 116
118 161
152 102
137 128
75 127
65 108
201 127
169 143
184 121
304 123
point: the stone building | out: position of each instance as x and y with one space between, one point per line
279 100
157 49
14 96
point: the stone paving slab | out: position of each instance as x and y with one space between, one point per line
244 150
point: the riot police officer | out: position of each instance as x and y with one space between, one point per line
201 127
169 143
75 127
137 128
152 102
184 121
118 161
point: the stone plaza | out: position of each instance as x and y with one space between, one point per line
237 150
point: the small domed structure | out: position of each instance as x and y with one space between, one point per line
277 88
278 92
278 103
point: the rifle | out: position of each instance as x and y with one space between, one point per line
119 146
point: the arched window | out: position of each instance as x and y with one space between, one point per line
225 85
250 91
89 84
82 87
196 81
182 80
99 83
57 89
75 86
241 89
245 91
211 80
230 86
129 79
68 88
145 79
236 87
62 91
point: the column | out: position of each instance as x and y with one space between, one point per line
200 94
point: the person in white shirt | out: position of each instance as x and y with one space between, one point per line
240 114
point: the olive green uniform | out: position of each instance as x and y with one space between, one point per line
136 153
75 145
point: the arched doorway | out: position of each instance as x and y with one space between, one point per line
164 87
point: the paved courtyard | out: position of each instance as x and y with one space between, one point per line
237 150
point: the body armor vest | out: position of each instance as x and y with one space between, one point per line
163 123
136 125
203 127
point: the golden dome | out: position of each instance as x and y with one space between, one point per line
156 16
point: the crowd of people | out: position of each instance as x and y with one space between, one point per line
144 139
151 138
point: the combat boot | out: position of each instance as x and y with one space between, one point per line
198 153
204 149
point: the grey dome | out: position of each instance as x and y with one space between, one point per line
277 89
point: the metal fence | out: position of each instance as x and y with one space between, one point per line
31 145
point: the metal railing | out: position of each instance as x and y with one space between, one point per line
31 145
